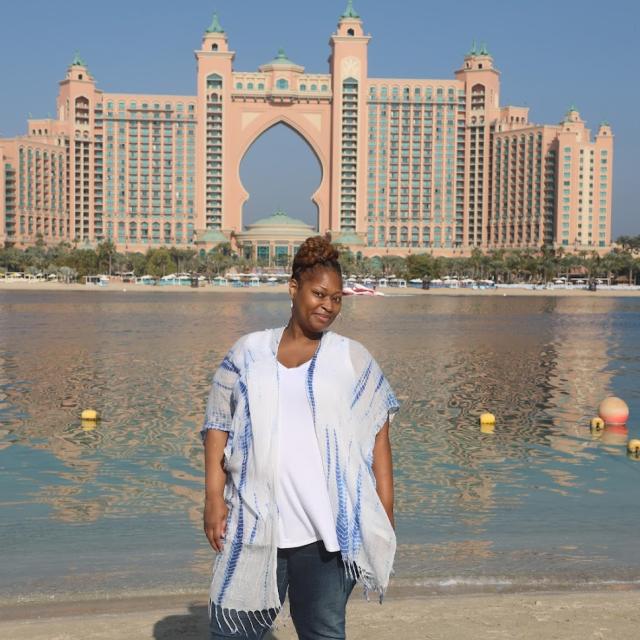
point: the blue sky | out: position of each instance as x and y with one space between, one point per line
551 54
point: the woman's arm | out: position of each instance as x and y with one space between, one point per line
383 470
215 477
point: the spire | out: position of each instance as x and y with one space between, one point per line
77 61
572 115
215 26
474 50
350 12
483 50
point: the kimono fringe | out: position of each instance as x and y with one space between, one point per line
236 620
357 573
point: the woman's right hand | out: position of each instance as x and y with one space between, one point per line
215 521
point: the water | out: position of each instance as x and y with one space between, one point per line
540 503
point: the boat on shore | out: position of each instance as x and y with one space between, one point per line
357 289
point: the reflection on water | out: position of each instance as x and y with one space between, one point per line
541 500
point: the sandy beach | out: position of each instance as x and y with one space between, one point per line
118 287
613 615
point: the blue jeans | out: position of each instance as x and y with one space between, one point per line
318 592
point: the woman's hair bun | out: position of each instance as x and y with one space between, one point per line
315 251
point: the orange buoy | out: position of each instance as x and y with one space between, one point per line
614 410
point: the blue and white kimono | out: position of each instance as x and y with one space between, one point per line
350 401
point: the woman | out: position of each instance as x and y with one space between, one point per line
298 472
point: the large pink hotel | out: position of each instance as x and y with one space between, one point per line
407 165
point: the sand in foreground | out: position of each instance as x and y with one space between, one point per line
567 616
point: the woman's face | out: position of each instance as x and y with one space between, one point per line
317 299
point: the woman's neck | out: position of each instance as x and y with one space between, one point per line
296 346
297 334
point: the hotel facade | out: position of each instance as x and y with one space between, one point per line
408 165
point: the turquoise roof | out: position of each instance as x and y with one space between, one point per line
215 26
478 51
347 238
77 61
279 219
212 236
350 12
281 58
570 113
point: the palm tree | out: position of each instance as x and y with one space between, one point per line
496 264
513 264
106 253
547 264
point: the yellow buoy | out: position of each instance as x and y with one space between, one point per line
89 414
487 428
633 446
487 418
597 424
88 425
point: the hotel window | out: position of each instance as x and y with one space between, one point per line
214 81
324 87
238 85
314 87
303 87
281 83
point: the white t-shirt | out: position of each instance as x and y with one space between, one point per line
305 513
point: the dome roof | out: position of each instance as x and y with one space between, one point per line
281 58
213 236
281 219
347 238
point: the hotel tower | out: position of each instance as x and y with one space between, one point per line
408 165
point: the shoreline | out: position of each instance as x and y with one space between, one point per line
389 292
607 614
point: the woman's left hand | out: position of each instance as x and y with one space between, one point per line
215 522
